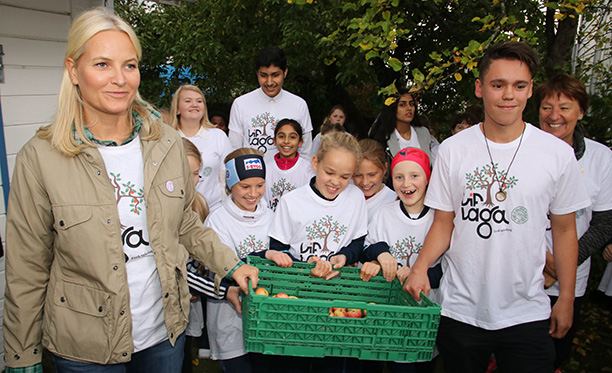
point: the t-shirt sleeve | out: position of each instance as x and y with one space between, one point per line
604 198
235 127
439 193
570 192
281 229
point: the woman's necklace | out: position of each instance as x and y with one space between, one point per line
501 195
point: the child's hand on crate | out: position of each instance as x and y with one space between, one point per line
326 269
403 273
281 259
388 265
369 270
233 296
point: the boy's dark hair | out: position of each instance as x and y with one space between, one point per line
563 84
271 56
293 123
513 51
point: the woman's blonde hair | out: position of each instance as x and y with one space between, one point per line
69 113
375 153
339 140
199 204
175 121
237 153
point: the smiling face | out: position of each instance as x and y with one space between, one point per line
369 177
107 75
271 79
406 107
190 105
334 171
247 193
505 89
410 184
559 115
337 117
288 141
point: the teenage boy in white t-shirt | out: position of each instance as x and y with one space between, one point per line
254 115
492 187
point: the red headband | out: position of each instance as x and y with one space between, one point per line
414 155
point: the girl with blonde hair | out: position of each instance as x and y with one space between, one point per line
188 115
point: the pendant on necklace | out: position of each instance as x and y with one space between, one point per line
500 196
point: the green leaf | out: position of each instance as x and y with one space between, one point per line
395 64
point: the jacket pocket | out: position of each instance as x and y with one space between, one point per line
78 323
66 217
74 226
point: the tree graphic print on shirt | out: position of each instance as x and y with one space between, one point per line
324 228
278 189
136 196
130 236
486 178
402 250
250 245
258 133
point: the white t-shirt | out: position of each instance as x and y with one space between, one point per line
214 147
254 116
414 143
125 169
313 226
493 269
596 168
404 236
245 232
384 196
280 182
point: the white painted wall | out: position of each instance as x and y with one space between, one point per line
33 34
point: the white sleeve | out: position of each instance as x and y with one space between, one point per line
570 192
235 127
306 149
306 123
439 193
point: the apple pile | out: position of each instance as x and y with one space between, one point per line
263 291
347 312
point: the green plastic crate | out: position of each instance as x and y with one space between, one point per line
396 327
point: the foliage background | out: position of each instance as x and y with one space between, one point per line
358 52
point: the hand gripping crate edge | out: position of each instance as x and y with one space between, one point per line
395 328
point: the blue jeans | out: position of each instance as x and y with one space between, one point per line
162 358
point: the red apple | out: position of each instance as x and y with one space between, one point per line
261 291
354 313
281 295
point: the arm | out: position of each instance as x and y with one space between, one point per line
352 251
436 243
596 236
599 232
29 254
205 286
565 252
